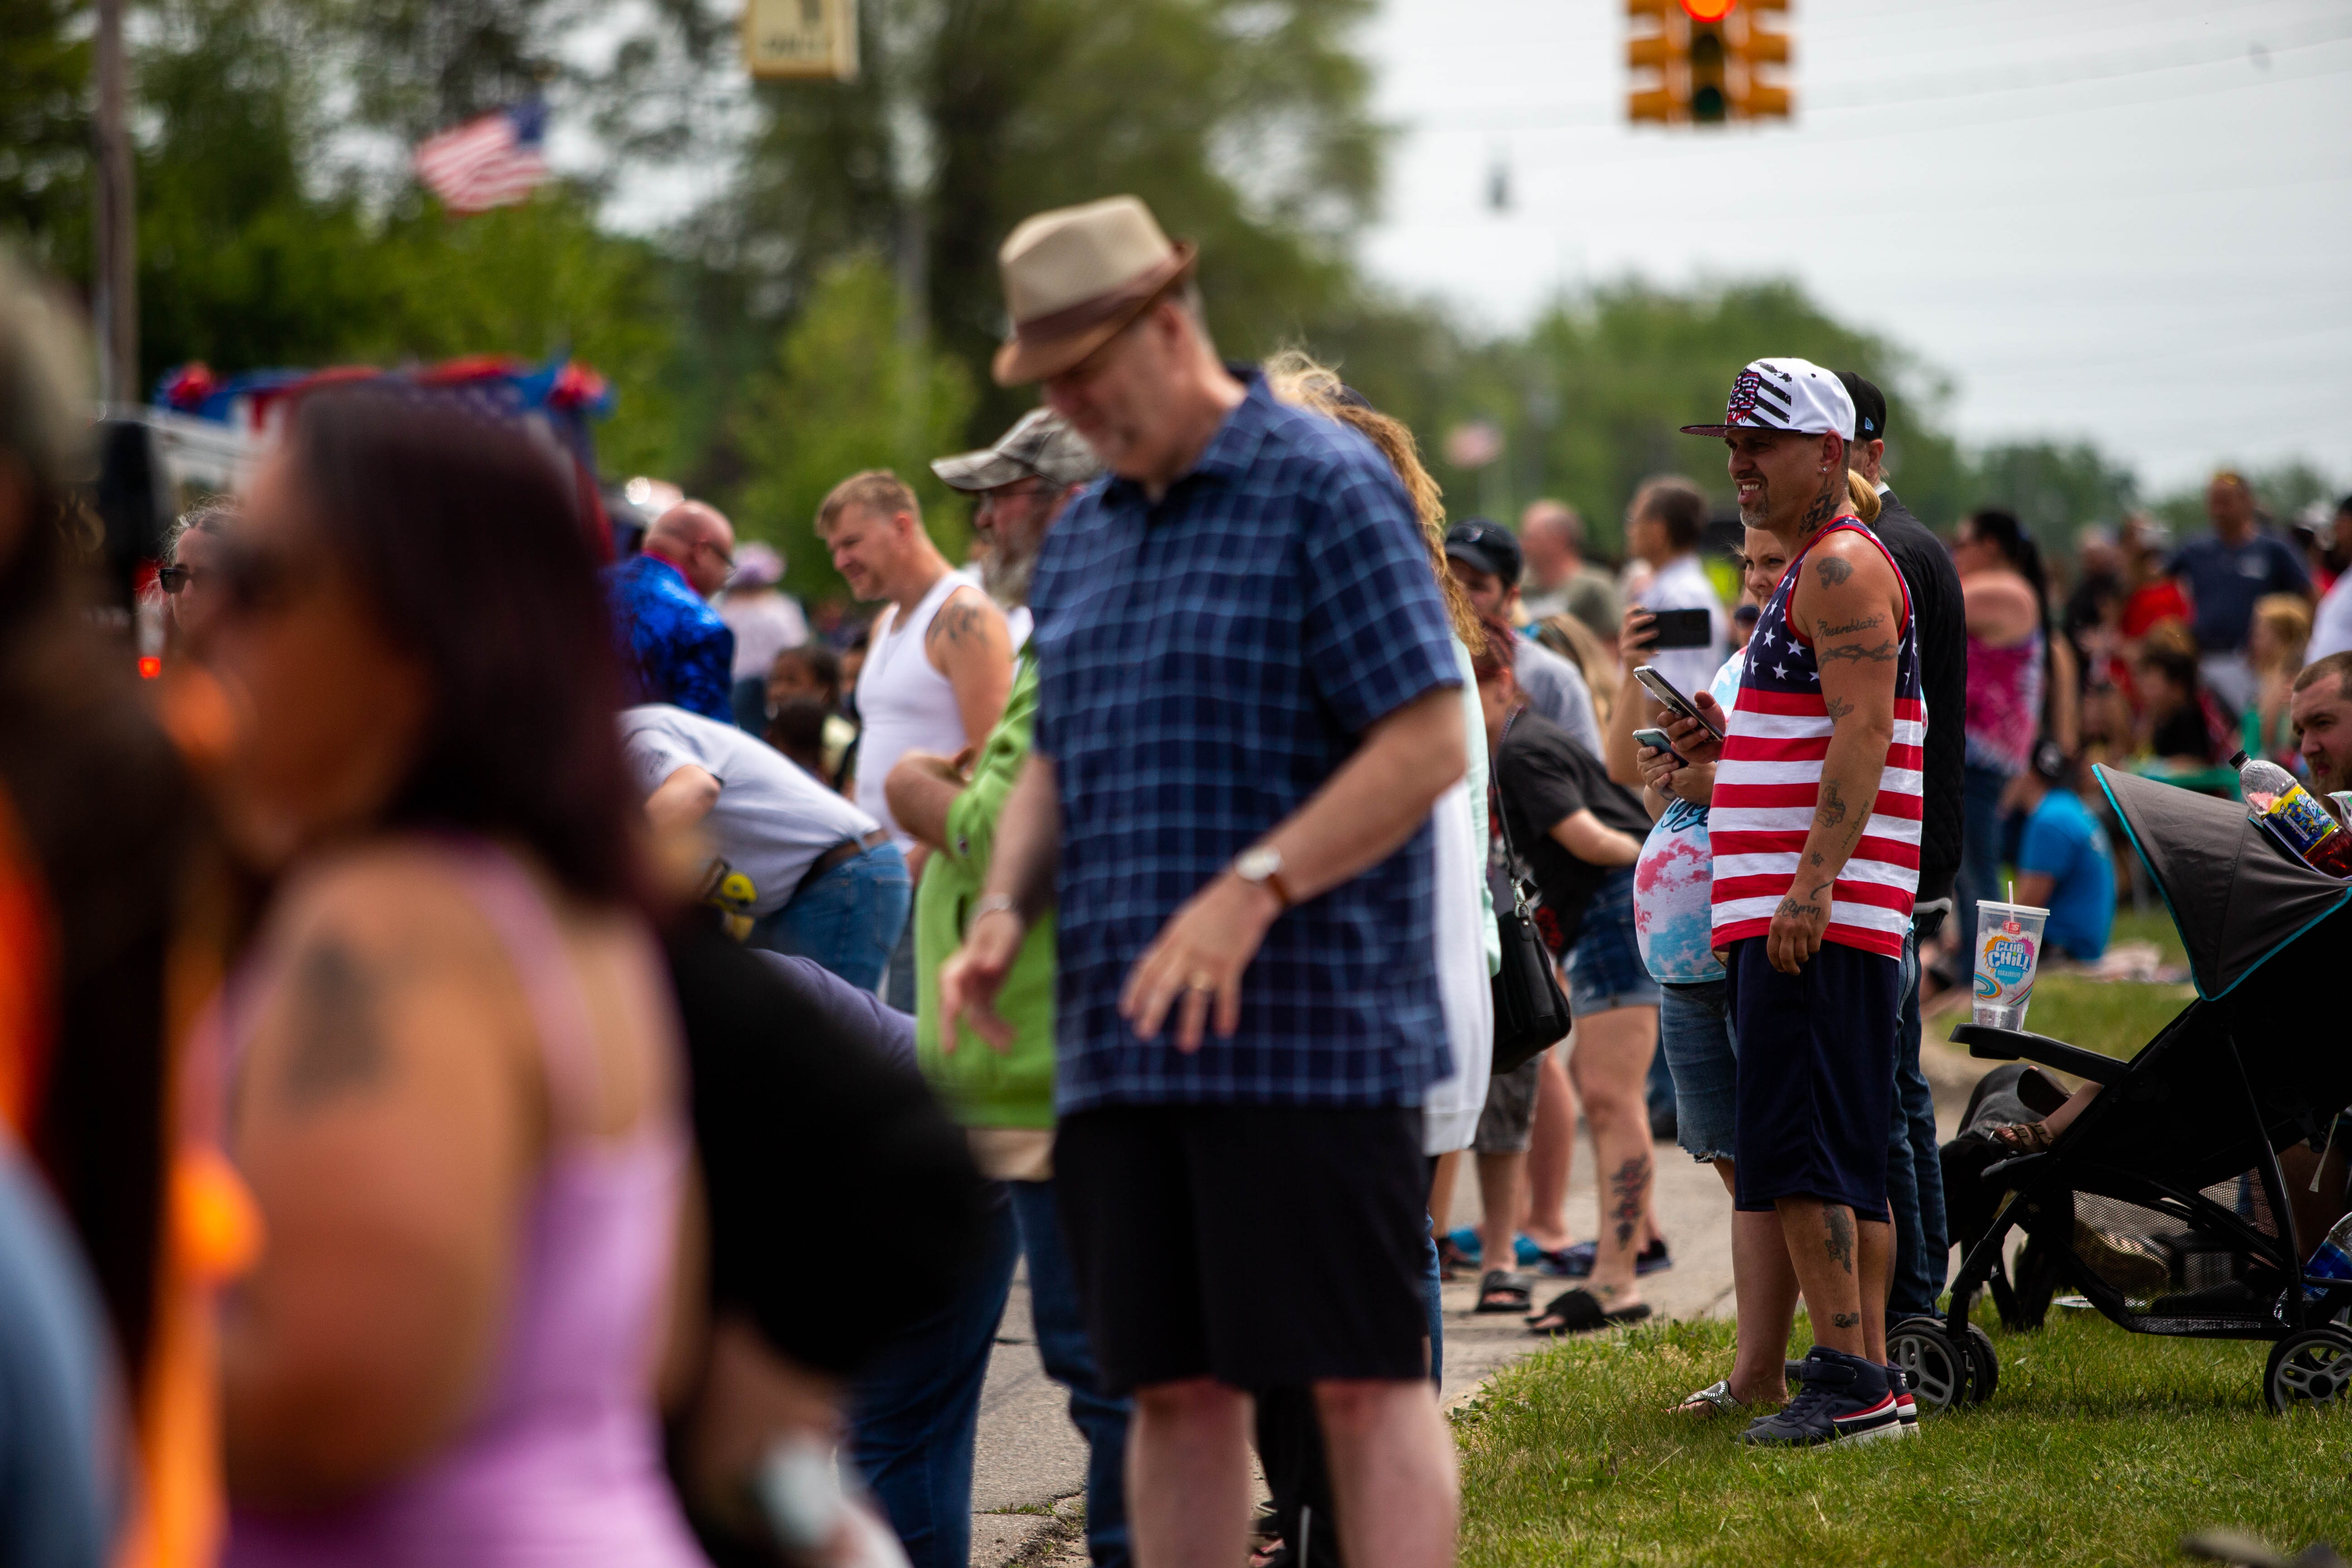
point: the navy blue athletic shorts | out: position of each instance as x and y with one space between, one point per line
1816 1085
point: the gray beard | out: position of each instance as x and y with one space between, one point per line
1005 576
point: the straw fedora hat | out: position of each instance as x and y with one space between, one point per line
1074 277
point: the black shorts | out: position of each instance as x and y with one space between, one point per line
1816 1084
1262 1245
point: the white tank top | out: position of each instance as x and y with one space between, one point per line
904 703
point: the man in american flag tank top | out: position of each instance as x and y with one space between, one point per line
1815 826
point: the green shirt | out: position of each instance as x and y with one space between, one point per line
986 1087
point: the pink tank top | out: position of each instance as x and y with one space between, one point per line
562 1462
2004 711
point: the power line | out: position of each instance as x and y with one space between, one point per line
1837 98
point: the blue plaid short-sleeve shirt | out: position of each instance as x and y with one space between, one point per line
1205 663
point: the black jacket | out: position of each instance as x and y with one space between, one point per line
812 1123
1944 674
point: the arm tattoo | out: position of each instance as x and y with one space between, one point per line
1837 707
1837 1236
1832 570
1862 625
338 1045
1832 809
1854 653
1847 1320
956 621
1795 910
1626 1185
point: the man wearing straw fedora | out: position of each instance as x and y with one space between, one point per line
1247 711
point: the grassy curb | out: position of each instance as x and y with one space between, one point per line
2100 1448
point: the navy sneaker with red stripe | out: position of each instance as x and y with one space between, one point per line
1906 1406
1898 1382
1845 1399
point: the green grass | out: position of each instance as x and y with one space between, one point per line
2114 1017
2099 1447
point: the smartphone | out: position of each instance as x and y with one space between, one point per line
1682 628
1673 700
1656 741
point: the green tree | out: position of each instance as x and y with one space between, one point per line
2281 490
1243 122
241 266
833 404
1594 397
2054 490
45 132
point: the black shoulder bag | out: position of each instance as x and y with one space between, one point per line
1530 1013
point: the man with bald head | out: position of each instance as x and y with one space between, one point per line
1560 580
676 646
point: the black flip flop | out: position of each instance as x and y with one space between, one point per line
1578 1312
1510 1287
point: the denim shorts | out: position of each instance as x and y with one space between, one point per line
1695 1034
1604 963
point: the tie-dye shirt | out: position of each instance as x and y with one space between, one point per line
1675 875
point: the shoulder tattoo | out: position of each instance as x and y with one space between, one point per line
338 1044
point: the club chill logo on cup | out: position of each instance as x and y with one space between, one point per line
2008 941
2008 960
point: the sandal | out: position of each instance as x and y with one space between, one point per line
1500 1291
1715 1399
2024 1137
1580 1311
1451 1260
1575 1261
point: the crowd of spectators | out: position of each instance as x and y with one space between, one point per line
1121 905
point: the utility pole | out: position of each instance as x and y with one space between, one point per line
118 221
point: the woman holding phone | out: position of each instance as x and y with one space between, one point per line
1672 881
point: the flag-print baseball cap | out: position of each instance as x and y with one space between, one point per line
1784 394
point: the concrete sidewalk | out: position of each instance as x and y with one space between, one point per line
1029 1476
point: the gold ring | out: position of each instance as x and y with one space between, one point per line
1200 983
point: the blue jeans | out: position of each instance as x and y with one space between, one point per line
848 918
898 981
1433 1301
1914 1170
915 1414
1980 875
1062 1346
1695 1038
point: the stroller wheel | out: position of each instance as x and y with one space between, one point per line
2311 1366
1984 1365
1939 1369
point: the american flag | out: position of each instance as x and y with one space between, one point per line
492 161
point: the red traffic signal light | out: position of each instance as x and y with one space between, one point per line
1706 61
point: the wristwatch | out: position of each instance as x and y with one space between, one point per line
1261 865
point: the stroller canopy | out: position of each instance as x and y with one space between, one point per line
2236 896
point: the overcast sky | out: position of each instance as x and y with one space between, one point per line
2129 220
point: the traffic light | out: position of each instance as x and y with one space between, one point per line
1703 62
1761 50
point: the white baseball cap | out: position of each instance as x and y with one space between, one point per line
1784 394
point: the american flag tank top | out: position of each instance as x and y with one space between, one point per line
1770 780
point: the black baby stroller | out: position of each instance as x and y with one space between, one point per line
2162 1203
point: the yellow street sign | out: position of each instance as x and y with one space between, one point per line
800 38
